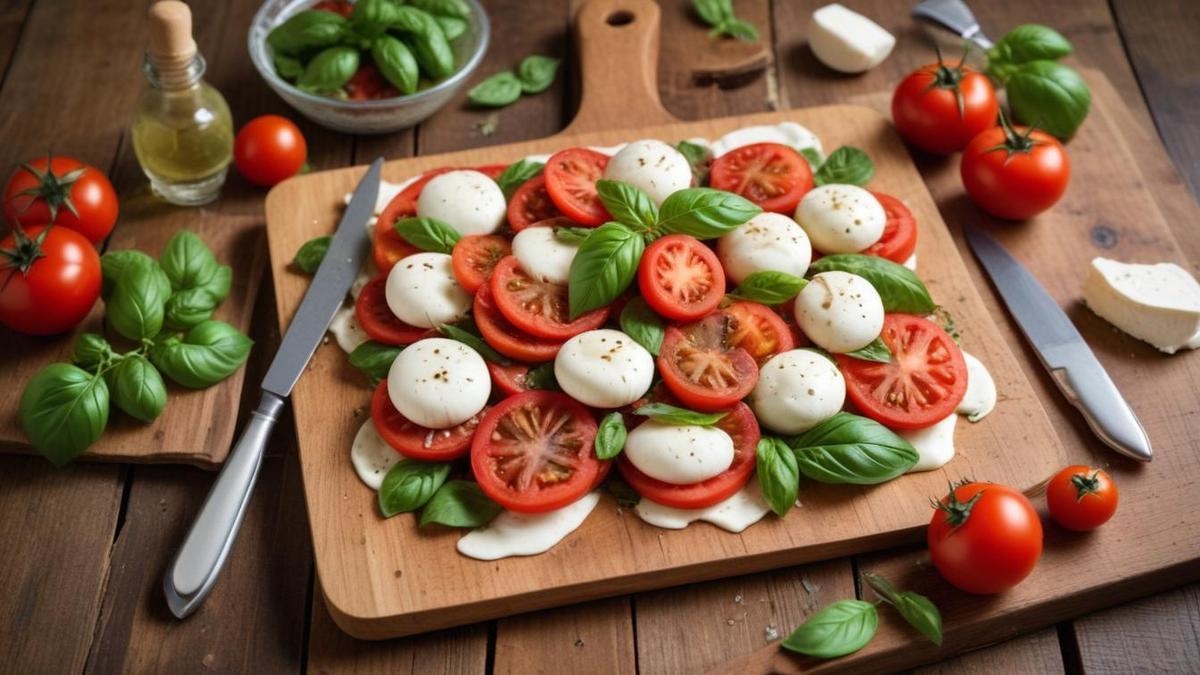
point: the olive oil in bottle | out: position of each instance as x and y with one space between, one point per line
182 129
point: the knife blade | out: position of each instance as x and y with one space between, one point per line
194 571
1062 350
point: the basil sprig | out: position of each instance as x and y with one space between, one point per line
640 322
310 255
611 435
64 409
91 351
205 355
627 204
916 609
329 70
497 91
517 173
374 359
841 628
719 15
604 266
847 448
409 485
137 388
703 213
846 166
876 351
396 63
1023 44
778 474
669 414
427 234
536 73
899 287
769 287
459 503
1040 90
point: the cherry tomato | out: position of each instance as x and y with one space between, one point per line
1081 498
378 321
700 365
984 538
62 191
475 257
899 239
772 175
940 108
538 307
415 441
922 384
269 149
571 177
534 452
389 247
1015 173
681 278
530 204
506 338
49 279
759 331
509 379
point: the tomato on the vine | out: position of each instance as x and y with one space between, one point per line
49 279
984 538
62 191
1081 498
269 149
1015 173
940 108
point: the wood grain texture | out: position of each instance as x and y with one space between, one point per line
1036 653
595 637
13 14
1159 634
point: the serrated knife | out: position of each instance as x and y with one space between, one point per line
1062 350
206 547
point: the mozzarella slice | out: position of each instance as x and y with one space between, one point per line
797 390
839 311
680 454
371 456
543 255
514 533
439 383
604 368
346 331
768 241
422 291
1159 304
980 398
847 41
786 133
741 510
841 218
652 166
466 200
934 444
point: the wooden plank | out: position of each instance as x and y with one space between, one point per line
13 14
1158 634
1035 653
593 637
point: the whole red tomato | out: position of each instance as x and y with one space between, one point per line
62 191
1081 498
984 538
940 108
269 149
49 279
1015 173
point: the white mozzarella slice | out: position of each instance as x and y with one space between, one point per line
841 218
371 456
839 311
422 291
514 533
741 510
934 444
847 41
466 200
604 368
439 383
980 398
543 255
652 166
785 133
346 331
680 454
768 241
797 390
1159 303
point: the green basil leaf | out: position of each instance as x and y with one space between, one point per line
137 388
1031 42
625 495
737 28
604 267
460 503
714 12
572 235
187 308
91 352
847 448
428 234
770 287
536 73
640 322
374 359
370 18
669 414
1049 96
496 91
452 27
846 166
409 485
329 70
881 586
813 157
113 263
876 351
310 255
424 35
610 437
207 354
920 613
698 157
454 8
517 173
704 213
627 204
899 287
187 261
843 627
137 305
778 475
288 67
542 377
396 63
64 409
309 30
473 341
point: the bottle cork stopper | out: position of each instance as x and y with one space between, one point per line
171 43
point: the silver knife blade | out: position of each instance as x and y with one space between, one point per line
1062 349
328 288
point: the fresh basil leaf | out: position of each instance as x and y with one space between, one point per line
625 495
627 204
288 67
113 263
329 70
778 475
188 308
427 234
452 27
137 305
604 267
920 613
1049 96
899 287
205 355
714 12
881 586
496 91
310 255
610 437
370 18
396 63
572 235
409 485
669 414
843 627
813 157
306 31
91 352
454 8
640 322
846 166
698 157
737 28
1031 42
847 448
460 503
516 174
770 287
64 409
374 359
536 73
876 351
473 341
542 377
424 35
137 388
704 213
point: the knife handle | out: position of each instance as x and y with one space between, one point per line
196 566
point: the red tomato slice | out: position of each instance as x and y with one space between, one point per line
415 441
378 321
534 452
506 338
389 247
899 239
924 382
538 307
741 425
475 257
509 379
681 278
571 177
759 331
772 175
530 204
702 369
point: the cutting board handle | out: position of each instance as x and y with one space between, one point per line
618 56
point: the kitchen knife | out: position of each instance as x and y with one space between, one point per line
1062 349
196 566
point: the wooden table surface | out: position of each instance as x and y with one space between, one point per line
85 546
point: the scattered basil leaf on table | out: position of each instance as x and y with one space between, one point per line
770 287
307 31
604 266
427 234
329 70
453 8
640 322
899 287
496 91
536 73
876 351
205 355
310 255
627 204
91 352
137 388
703 213
1031 42
719 15
517 173
572 235
469 338
460 503
396 63
409 485
452 27
847 448
915 608
697 157
846 166
64 409
778 475
1049 96
542 377
669 414
137 305
374 359
424 35
611 435
841 628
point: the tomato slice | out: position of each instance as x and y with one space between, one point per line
899 239
388 246
378 321
506 338
759 331
534 452
530 204
571 177
415 441
700 366
924 382
474 258
741 425
772 175
681 278
509 379
538 307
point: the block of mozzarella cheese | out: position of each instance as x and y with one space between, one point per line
1157 303
847 41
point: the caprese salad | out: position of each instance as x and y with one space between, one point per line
718 322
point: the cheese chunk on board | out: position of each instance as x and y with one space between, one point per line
1158 303
847 41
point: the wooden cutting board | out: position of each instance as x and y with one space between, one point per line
385 578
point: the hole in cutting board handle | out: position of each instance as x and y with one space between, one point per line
621 17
